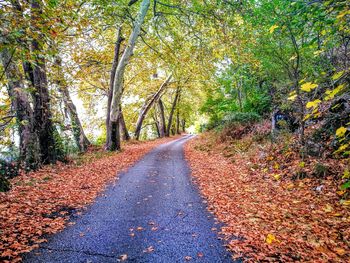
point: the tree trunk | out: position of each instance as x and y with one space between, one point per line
156 124
147 106
29 152
170 121
162 124
78 131
178 115
115 136
183 123
124 60
239 90
41 99
178 122
109 139
122 127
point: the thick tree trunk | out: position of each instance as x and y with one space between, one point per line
147 106
173 106
29 144
115 136
78 131
109 137
122 127
183 124
41 99
124 60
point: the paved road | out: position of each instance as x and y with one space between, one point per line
152 214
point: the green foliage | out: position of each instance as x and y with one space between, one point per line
4 184
244 118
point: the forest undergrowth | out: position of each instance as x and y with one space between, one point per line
276 205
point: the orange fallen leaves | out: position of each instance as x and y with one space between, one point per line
40 202
267 219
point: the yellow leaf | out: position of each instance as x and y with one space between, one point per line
331 93
292 58
342 192
272 28
308 86
341 132
345 202
293 97
346 174
312 104
343 13
307 116
277 176
328 208
342 148
318 52
270 239
337 75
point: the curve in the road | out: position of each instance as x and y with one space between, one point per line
153 213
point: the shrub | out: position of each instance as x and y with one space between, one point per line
243 118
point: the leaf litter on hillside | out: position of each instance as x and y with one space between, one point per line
268 219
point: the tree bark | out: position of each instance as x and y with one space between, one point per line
110 136
183 123
170 121
147 106
178 121
29 152
41 99
156 124
122 127
124 60
162 124
78 132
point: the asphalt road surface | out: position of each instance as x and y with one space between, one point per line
153 213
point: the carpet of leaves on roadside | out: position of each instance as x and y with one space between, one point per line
268 217
40 202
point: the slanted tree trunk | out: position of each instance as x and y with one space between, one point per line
147 106
124 60
29 151
122 127
173 106
80 139
111 137
162 124
41 99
